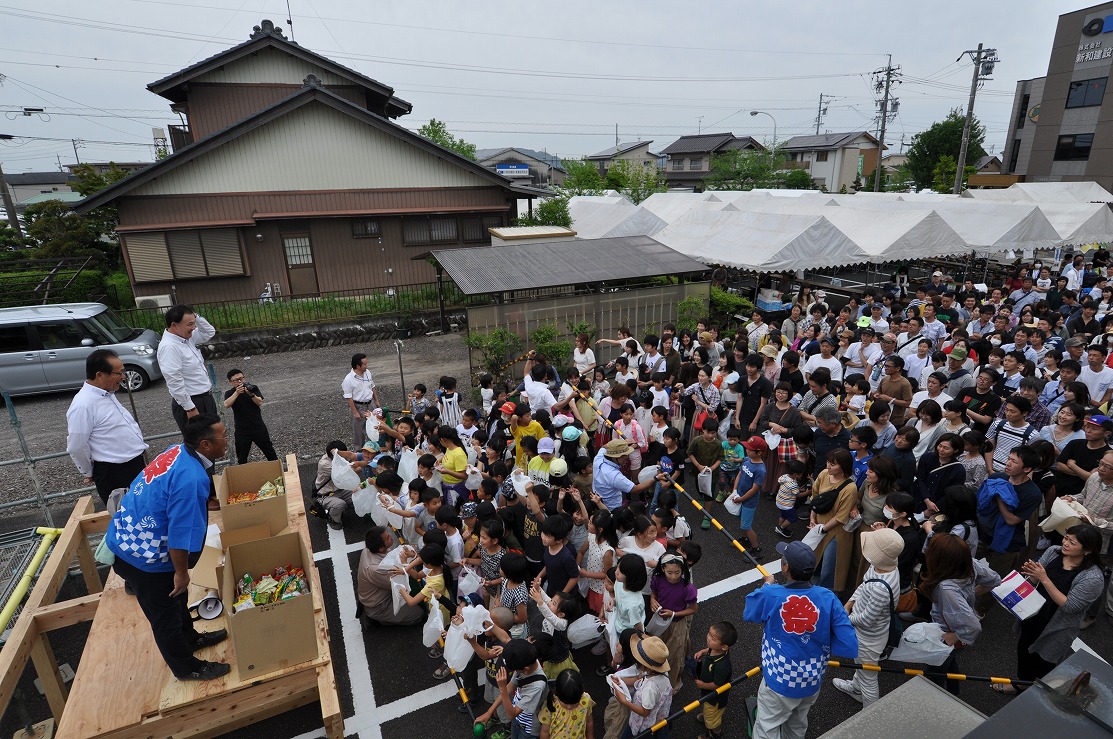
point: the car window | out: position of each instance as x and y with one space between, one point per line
60 335
14 339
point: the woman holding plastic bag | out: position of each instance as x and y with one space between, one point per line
951 576
1070 579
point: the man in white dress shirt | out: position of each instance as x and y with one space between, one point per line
182 365
103 439
359 393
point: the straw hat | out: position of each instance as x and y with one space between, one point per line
651 652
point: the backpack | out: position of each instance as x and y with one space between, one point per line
896 626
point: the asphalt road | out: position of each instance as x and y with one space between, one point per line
384 673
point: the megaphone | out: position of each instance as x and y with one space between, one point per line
207 608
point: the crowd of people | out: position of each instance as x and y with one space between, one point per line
911 441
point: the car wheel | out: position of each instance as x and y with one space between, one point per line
135 379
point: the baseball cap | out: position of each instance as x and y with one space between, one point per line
467 510
867 331
936 273
471 599
877 306
545 446
507 407
819 295
558 468
863 321
756 443
799 555
1099 420
570 433
827 340
959 353
705 336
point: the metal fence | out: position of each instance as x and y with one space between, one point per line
283 311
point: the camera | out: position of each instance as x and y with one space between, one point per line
252 389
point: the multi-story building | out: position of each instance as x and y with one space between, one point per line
689 157
833 160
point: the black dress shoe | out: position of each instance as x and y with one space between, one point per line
209 638
208 671
128 589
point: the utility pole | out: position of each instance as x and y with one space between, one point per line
616 135
699 124
59 158
820 112
75 155
889 72
984 59
9 204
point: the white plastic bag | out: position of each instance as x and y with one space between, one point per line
814 536
475 618
922 643
399 581
407 465
658 624
612 634
587 629
520 480
364 501
474 479
343 476
733 507
703 482
457 650
470 582
647 473
434 625
371 429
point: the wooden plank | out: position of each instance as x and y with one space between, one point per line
331 713
88 566
57 565
67 613
51 680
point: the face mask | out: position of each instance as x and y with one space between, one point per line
505 418
889 514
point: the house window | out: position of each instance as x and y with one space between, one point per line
678 164
1086 93
1022 113
1074 148
821 156
475 229
695 163
419 231
178 255
365 229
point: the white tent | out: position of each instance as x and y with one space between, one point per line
592 218
638 222
1046 192
669 209
1080 223
764 242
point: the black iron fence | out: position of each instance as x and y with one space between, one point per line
400 301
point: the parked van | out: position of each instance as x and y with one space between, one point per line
43 347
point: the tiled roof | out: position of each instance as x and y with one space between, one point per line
824 140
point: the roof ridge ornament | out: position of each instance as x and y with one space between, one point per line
312 80
267 28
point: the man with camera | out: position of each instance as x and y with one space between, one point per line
245 400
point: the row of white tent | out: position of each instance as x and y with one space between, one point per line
785 230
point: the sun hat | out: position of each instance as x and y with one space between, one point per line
882 547
651 652
616 448
768 350
863 321
467 510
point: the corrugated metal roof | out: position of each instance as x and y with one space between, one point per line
490 269
38 178
823 140
483 155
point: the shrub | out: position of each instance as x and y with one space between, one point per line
689 311
546 339
495 348
727 303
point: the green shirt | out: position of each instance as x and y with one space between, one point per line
705 452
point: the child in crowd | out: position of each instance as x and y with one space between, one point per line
538 467
437 582
448 402
489 647
623 371
733 454
515 574
522 688
674 596
679 530
560 572
629 607
659 394
556 613
486 393
747 488
790 486
627 428
692 553
862 441
467 427
643 415
418 402
595 558
567 711
713 670
857 393
489 559
427 471
651 693
427 517
660 424
449 522
600 388
706 452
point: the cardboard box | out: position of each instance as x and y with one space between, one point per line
204 573
245 478
277 635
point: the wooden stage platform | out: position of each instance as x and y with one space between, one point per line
123 688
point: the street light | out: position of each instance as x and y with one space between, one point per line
762 112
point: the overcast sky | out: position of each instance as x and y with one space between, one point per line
553 76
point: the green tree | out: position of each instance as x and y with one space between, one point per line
943 138
61 233
583 178
743 170
439 134
943 176
634 180
549 212
11 239
90 181
798 179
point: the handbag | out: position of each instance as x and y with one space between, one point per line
896 626
825 501
908 602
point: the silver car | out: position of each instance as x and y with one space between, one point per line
43 347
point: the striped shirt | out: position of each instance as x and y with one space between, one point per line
1005 438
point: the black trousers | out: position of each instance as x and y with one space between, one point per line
107 476
169 617
204 403
260 436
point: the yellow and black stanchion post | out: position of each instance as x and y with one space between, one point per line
698 702
715 522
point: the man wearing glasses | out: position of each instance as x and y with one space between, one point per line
103 440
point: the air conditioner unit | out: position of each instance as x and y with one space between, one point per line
154 301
